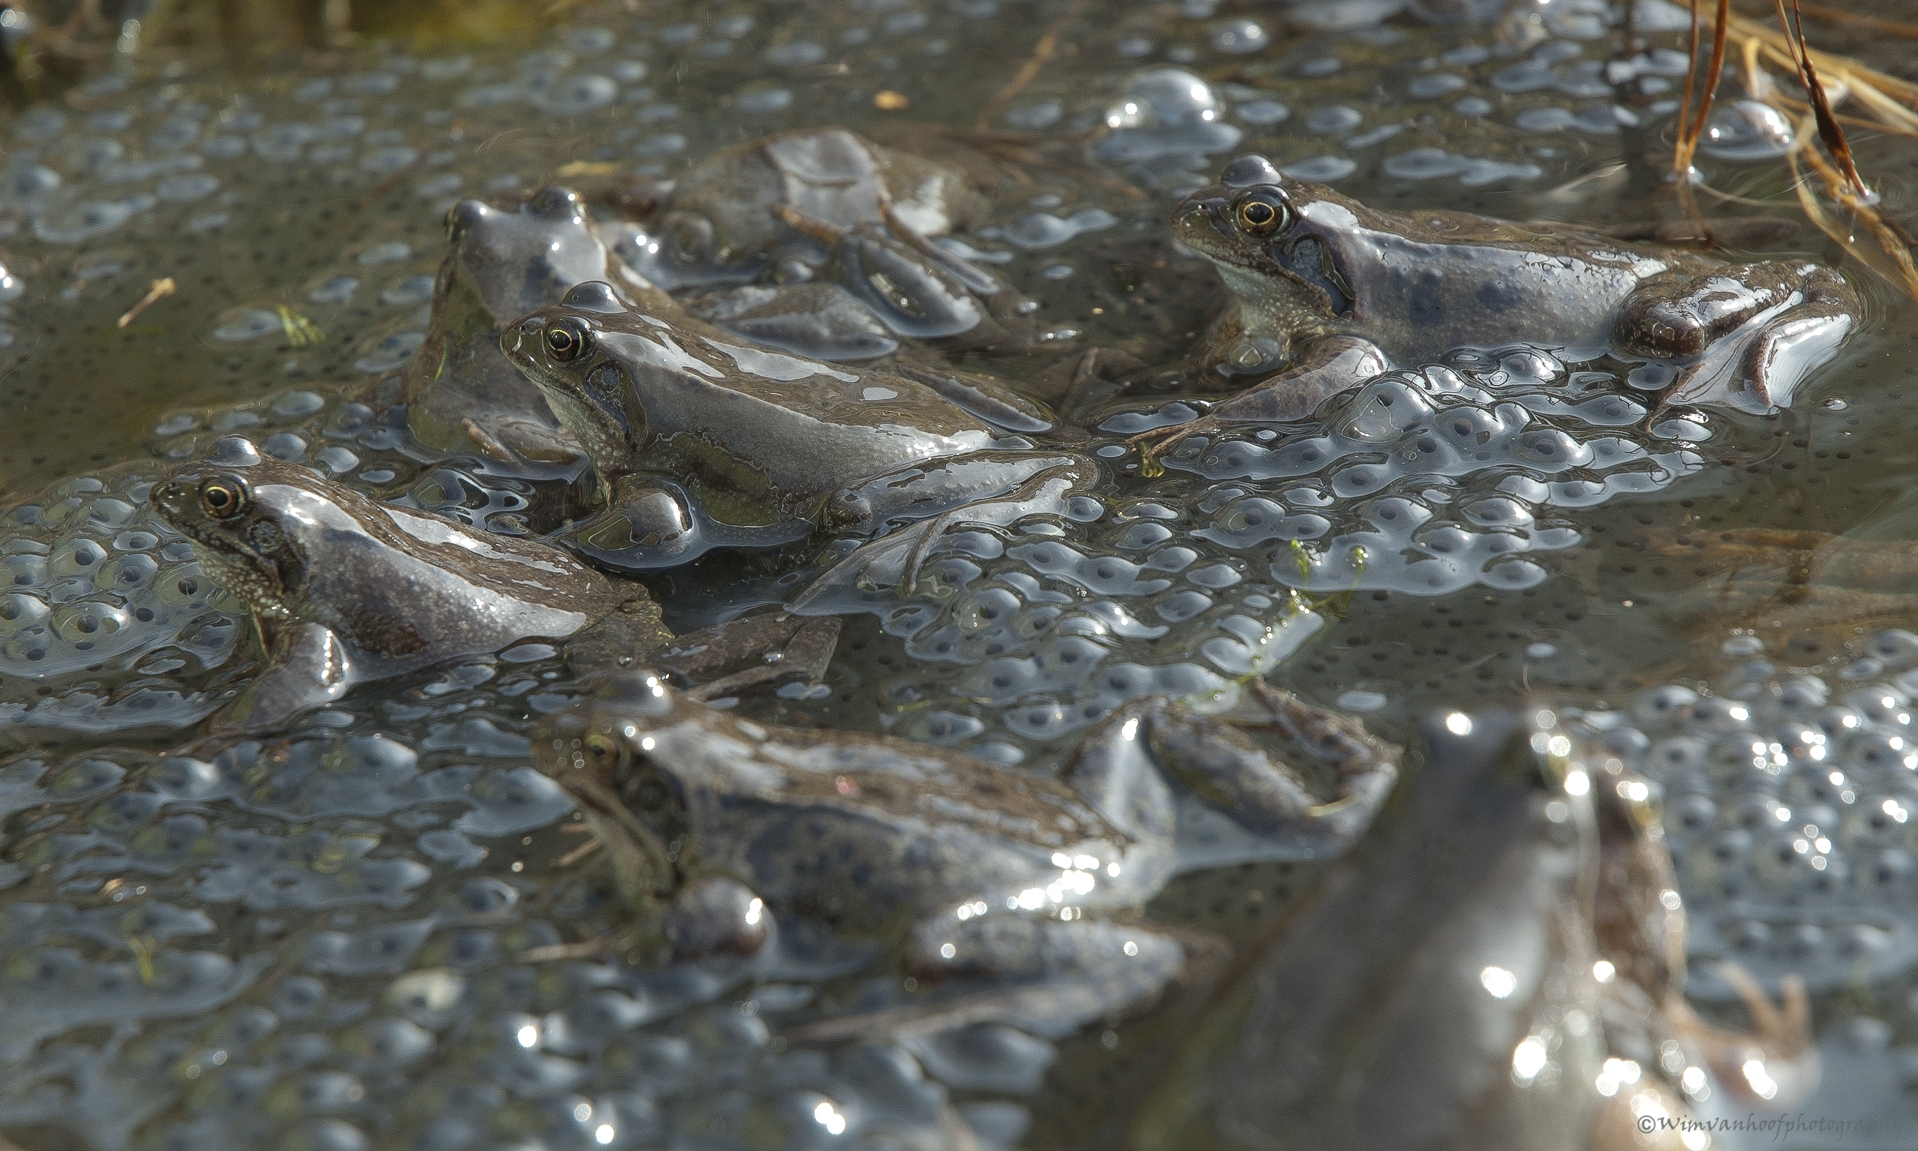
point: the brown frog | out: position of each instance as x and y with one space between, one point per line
1328 293
1500 965
998 881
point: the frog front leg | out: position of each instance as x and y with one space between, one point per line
650 524
1117 768
1746 335
1043 975
1327 366
915 288
987 489
308 667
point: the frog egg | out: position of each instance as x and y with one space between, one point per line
985 607
1882 819
1662 704
1895 646
1779 864
1880 755
1888 872
1716 865
1885 704
1802 696
1691 814
1163 98
89 623
1682 754
21 613
1746 130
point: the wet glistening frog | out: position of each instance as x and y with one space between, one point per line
968 868
683 424
1330 292
346 590
1500 965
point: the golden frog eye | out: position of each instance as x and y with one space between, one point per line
1259 216
223 497
566 340
601 751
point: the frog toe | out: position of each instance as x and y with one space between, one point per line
1759 369
1047 977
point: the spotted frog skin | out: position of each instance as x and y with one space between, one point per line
1499 966
691 432
818 242
348 590
502 262
1330 292
999 880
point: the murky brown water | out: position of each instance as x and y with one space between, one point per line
313 945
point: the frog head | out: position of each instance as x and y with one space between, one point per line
581 357
607 752
1278 243
515 259
246 526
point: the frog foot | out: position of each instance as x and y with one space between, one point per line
1041 975
991 488
1774 1064
1327 366
1117 765
1750 332
1156 442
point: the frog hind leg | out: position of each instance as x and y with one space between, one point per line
1226 770
1751 332
1328 367
985 489
775 649
1044 976
308 668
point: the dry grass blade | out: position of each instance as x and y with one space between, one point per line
1830 188
1691 120
1042 52
1837 16
1828 129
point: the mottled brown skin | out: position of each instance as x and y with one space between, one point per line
768 445
969 870
1306 264
348 590
1387 1008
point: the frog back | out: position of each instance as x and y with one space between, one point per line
1428 280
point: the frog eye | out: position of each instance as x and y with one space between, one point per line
601 751
567 340
223 497
1261 215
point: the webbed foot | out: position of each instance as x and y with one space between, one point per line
1043 976
1750 332
1116 768
1329 366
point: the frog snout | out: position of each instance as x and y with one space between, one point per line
1199 212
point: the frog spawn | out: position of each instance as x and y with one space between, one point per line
1032 624
1790 804
410 854
105 605
1430 481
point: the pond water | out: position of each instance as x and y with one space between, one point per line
314 941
